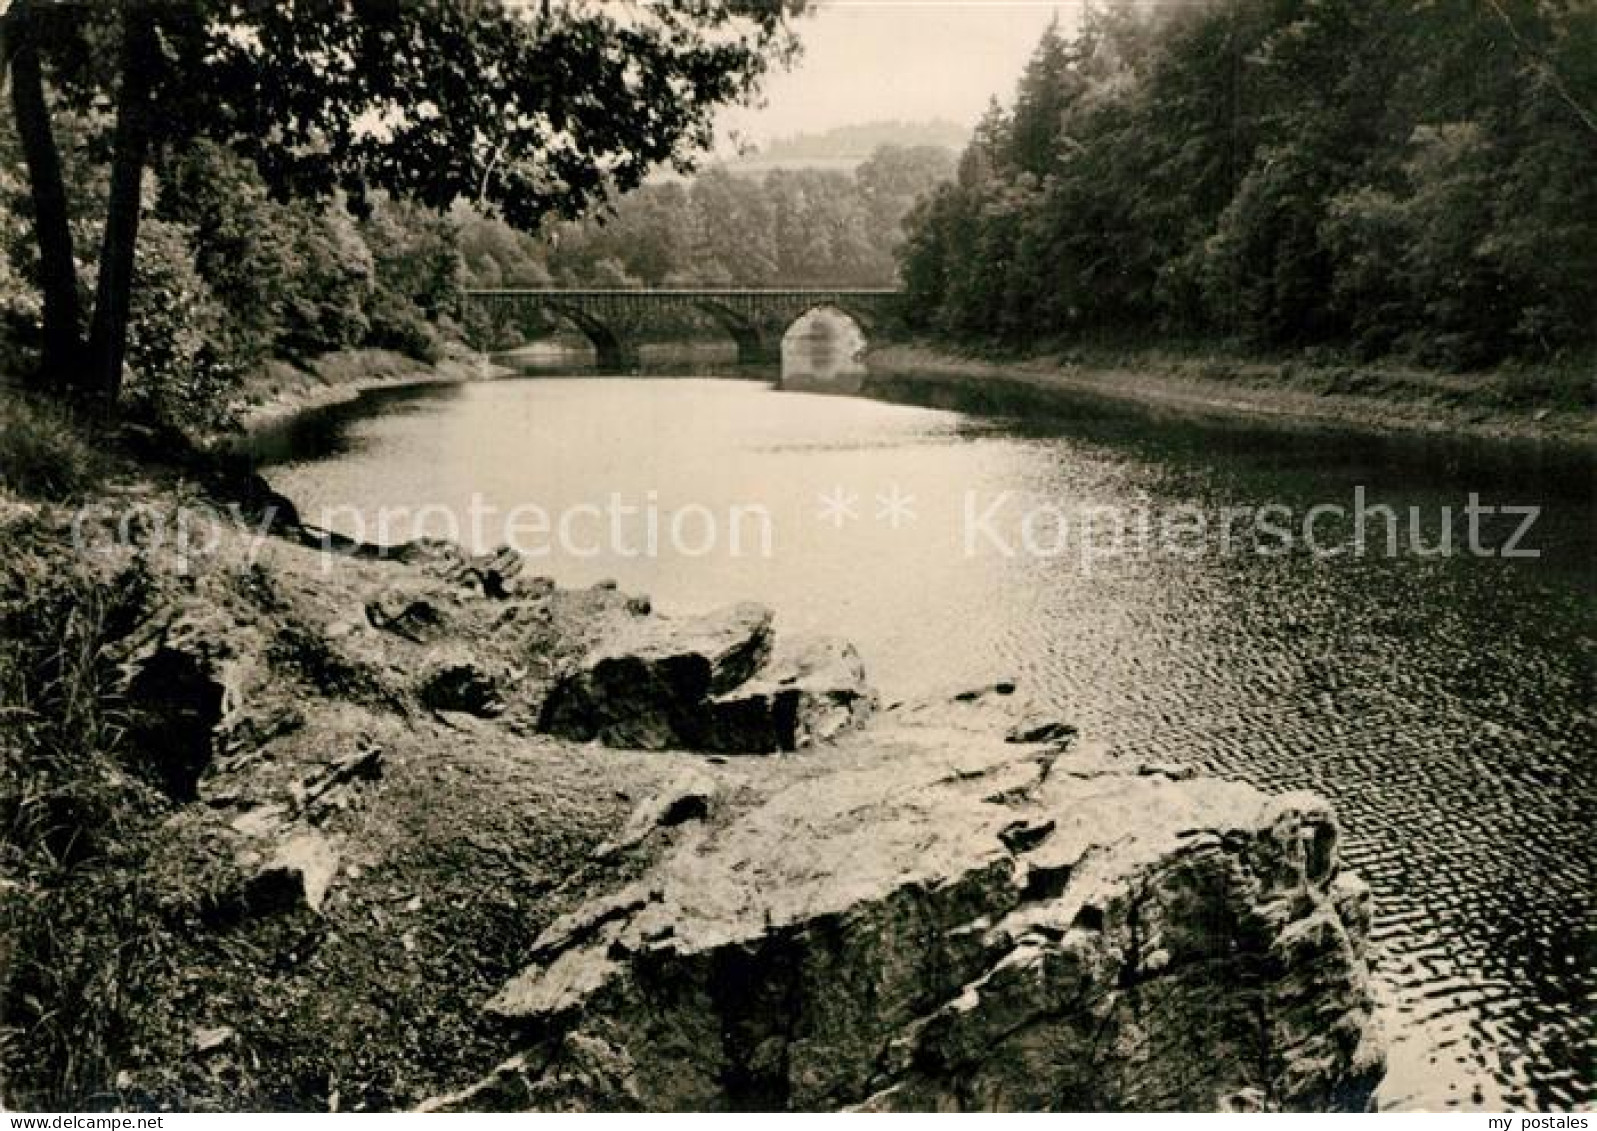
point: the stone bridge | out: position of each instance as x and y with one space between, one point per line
614 320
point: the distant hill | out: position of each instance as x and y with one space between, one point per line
846 146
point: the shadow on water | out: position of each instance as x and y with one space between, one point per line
1301 458
327 431
1278 444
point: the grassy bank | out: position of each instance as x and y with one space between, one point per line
1555 404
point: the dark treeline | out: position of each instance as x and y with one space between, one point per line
191 185
228 275
1408 178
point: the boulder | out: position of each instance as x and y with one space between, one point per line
961 923
460 682
438 556
296 876
1039 726
647 685
334 786
410 610
687 797
494 574
184 685
811 690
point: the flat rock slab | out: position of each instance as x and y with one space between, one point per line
954 922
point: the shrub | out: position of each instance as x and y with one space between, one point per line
178 374
241 239
398 324
331 275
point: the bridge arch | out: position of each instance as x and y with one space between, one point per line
864 317
823 349
612 349
754 342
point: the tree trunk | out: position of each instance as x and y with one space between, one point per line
130 149
61 366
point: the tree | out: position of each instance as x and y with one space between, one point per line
891 181
529 110
334 277
1046 89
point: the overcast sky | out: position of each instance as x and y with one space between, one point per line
866 60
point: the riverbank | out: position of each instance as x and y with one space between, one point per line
278 388
367 830
1502 404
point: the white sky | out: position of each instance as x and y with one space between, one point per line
868 60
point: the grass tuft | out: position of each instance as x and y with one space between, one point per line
44 452
73 920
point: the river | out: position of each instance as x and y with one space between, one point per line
1445 702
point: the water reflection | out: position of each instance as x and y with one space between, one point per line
568 355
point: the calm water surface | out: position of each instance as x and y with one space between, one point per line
1445 703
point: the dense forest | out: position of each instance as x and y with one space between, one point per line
783 228
192 186
787 227
1415 179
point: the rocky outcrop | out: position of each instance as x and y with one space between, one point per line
946 921
647 686
598 664
368 812
713 683
457 681
411 610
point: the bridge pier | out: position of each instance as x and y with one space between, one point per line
617 355
757 346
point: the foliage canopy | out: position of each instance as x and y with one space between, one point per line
525 108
